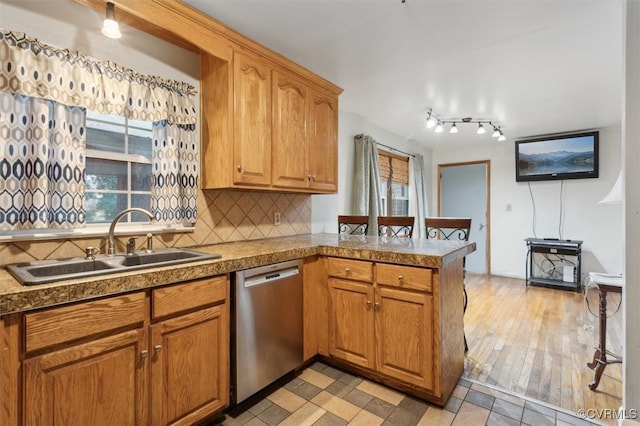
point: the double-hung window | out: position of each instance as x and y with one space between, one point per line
118 167
394 177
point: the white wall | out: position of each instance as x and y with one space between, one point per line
599 226
326 208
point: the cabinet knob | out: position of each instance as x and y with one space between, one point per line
144 353
377 305
400 278
157 348
240 168
367 303
347 271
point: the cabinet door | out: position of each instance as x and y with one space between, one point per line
290 144
351 321
190 366
97 383
252 121
404 336
323 143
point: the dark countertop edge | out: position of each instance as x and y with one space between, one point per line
26 298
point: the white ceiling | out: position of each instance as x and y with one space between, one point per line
532 66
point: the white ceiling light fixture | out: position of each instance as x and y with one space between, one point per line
434 121
110 27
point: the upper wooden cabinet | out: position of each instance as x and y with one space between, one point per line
323 142
279 132
290 136
251 121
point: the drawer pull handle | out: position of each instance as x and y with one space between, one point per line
157 348
347 270
144 353
400 278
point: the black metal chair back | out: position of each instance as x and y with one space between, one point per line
353 225
395 226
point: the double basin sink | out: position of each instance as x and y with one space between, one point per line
47 271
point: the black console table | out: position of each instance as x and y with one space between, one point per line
554 263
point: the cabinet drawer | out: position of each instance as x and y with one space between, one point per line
184 297
404 276
60 325
350 269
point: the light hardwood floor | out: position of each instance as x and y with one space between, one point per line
533 341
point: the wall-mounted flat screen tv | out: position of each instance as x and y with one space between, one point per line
567 156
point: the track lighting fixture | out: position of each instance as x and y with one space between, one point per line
437 123
110 27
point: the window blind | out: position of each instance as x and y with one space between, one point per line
395 166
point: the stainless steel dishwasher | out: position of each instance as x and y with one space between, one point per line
267 343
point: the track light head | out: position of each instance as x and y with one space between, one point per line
431 120
439 127
481 130
454 128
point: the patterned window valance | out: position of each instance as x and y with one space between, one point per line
35 69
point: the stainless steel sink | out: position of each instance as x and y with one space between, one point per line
160 257
47 271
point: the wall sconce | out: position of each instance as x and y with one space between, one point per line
435 121
110 27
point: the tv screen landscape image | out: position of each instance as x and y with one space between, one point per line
568 156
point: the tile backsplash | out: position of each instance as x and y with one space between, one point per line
222 216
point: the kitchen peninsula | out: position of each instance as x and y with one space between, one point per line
389 309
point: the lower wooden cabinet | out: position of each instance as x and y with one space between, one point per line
189 367
383 329
164 366
381 320
351 319
103 382
404 336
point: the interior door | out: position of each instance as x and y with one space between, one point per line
464 192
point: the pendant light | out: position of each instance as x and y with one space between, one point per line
110 27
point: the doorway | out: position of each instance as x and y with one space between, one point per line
463 191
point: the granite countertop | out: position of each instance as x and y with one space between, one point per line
236 256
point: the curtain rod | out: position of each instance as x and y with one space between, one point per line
361 135
396 150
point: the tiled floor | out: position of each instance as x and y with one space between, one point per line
323 395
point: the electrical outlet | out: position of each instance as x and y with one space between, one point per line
276 218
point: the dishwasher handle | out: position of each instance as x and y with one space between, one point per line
270 276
